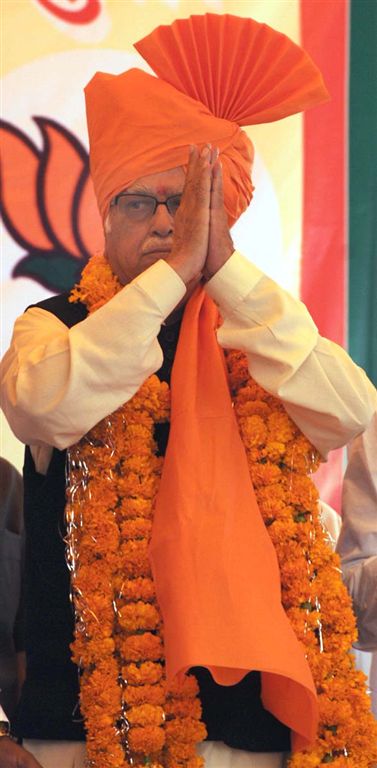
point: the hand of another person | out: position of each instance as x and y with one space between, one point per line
191 223
220 244
14 756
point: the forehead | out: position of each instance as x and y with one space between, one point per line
161 183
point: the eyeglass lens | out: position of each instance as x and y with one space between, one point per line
140 207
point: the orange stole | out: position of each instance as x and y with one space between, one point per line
215 568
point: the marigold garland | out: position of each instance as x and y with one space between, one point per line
131 716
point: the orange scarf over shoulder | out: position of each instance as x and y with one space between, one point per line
215 568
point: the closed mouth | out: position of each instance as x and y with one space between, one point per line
157 250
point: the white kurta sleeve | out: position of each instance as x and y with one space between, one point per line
326 394
57 383
357 543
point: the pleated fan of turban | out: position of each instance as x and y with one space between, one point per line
215 73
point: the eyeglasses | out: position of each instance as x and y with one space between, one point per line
142 207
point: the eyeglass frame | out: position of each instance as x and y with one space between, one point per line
157 202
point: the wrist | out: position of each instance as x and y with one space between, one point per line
212 266
182 265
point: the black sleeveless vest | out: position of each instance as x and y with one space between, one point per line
49 708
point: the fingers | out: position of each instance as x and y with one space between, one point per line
198 177
217 188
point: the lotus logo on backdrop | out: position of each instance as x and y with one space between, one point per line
74 12
48 203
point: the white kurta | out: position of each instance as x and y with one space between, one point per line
59 382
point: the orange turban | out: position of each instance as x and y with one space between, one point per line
214 74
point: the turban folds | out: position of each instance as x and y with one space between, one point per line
215 73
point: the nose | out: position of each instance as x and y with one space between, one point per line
162 222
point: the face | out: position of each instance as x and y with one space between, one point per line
132 247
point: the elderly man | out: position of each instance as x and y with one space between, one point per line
171 174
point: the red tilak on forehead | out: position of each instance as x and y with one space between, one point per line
163 191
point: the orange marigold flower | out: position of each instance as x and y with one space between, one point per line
96 576
146 714
134 589
300 456
252 408
136 485
146 740
136 528
136 507
135 695
87 651
135 558
274 450
179 751
191 762
280 427
142 465
302 492
98 283
251 391
100 496
186 688
281 530
97 538
184 708
185 730
104 751
265 474
147 673
136 616
253 431
146 647
271 499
